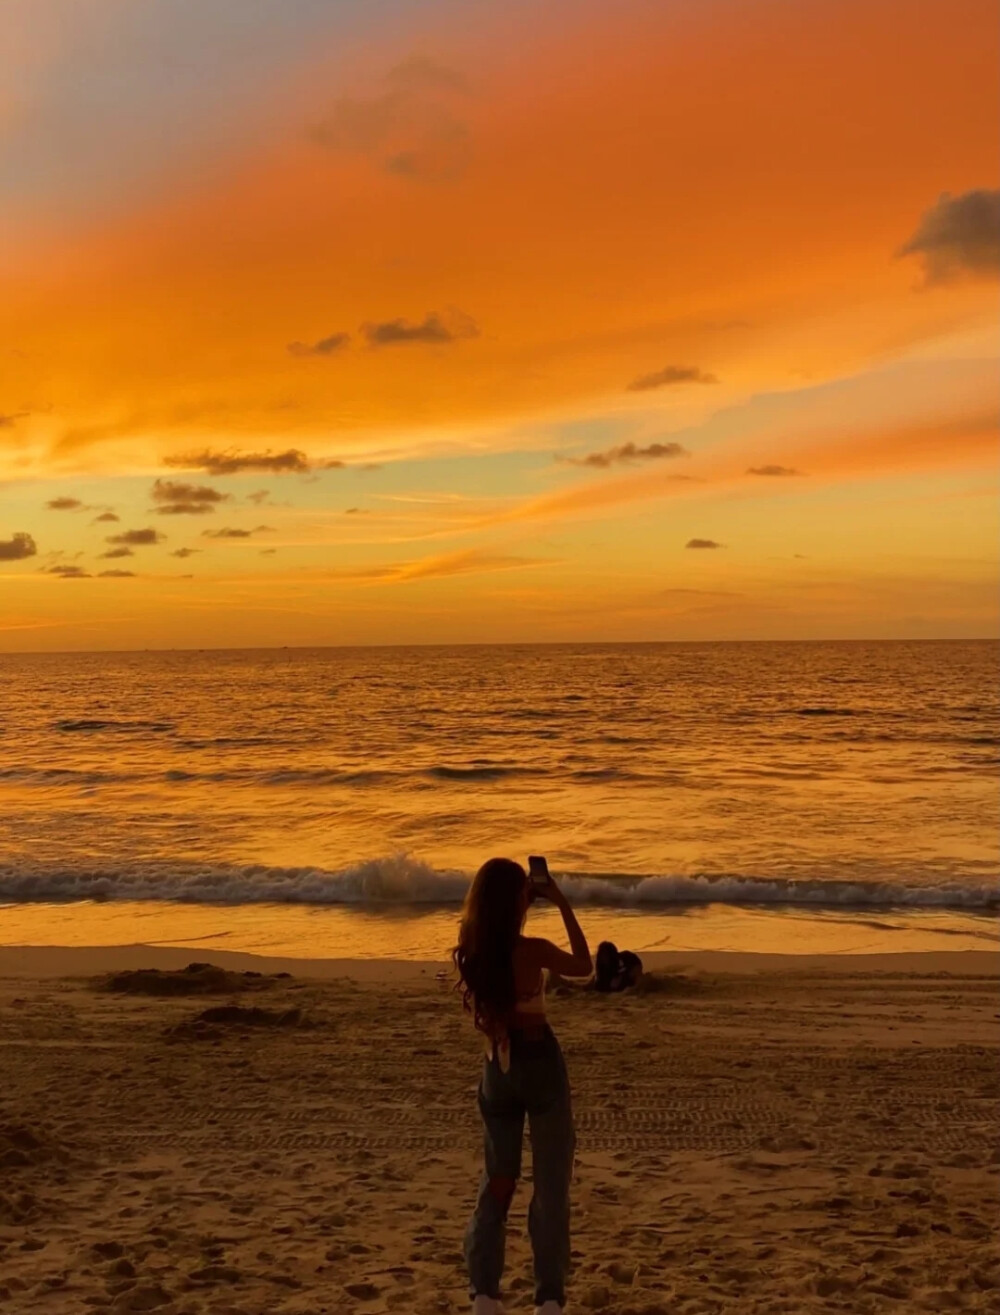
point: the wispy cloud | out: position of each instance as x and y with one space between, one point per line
433 329
469 562
184 552
17 548
682 594
703 543
323 347
137 538
8 419
64 504
179 499
68 572
228 533
776 471
959 235
116 575
291 461
113 553
671 374
628 453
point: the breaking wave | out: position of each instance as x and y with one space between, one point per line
401 880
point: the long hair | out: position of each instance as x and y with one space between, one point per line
484 956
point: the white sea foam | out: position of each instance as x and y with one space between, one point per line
401 880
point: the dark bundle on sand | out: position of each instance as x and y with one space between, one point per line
195 979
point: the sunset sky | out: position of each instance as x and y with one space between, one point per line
426 321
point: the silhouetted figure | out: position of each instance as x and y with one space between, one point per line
502 978
615 969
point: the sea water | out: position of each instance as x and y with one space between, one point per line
335 801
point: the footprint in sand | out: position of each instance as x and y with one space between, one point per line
364 1291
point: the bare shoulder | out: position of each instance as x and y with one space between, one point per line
534 951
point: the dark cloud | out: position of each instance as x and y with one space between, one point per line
184 552
68 572
268 552
433 328
113 553
137 538
17 548
179 499
116 575
671 374
773 470
291 461
106 518
629 452
411 129
324 347
64 504
10 418
959 235
703 543
237 534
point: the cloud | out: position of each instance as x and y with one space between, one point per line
627 453
116 575
671 374
703 543
324 347
268 552
137 538
237 534
772 470
64 504
106 518
959 235
258 498
291 461
433 328
699 593
418 73
68 572
469 562
178 499
184 552
410 130
10 418
117 552
17 548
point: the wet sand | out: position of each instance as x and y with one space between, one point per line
756 1134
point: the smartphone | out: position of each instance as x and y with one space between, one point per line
538 870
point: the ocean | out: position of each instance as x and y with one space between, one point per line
335 801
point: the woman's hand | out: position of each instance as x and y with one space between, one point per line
548 890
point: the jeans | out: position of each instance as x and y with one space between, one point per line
535 1085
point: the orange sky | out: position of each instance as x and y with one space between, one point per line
443 241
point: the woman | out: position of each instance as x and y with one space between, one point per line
502 980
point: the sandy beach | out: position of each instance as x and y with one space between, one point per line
756 1134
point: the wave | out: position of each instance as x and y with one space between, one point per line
112 724
401 880
482 772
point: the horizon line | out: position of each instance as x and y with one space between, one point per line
507 643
